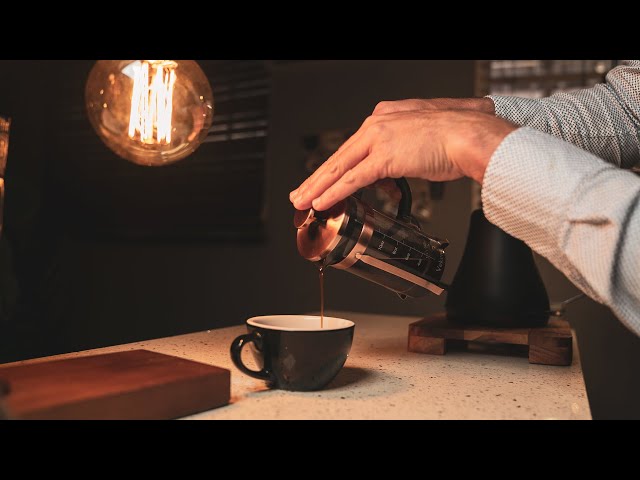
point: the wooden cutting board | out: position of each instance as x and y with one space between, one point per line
136 384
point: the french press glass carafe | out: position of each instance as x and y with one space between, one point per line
394 253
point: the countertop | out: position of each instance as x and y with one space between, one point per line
382 380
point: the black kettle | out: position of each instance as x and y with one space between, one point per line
497 283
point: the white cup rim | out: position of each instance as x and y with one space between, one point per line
331 324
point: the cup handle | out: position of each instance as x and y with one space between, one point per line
236 350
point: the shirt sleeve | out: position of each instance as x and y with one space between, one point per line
573 208
603 120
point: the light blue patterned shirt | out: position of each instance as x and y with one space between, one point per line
559 184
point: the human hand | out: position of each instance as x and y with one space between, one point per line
484 105
432 144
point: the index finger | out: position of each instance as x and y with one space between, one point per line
330 172
314 175
363 174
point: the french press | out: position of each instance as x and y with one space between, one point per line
394 253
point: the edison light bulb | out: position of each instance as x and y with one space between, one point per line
151 112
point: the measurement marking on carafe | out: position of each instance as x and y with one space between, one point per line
398 243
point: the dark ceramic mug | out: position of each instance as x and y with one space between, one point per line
293 351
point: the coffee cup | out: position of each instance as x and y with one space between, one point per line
295 352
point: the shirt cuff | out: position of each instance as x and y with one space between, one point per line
540 189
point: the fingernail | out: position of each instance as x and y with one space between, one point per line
315 204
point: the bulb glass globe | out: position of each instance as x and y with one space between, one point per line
150 112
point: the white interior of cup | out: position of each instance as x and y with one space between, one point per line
299 323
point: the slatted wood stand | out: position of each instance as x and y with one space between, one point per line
549 345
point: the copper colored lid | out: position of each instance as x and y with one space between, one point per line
304 218
319 232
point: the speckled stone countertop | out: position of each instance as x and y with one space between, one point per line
382 380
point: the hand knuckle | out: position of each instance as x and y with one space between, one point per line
383 107
377 129
350 176
337 168
370 120
387 168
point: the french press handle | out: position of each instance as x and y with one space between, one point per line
406 200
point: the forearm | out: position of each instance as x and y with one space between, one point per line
574 209
603 120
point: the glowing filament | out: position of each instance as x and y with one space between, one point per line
152 102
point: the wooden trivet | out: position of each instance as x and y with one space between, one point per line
549 345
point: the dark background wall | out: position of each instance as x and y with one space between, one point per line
79 294
66 294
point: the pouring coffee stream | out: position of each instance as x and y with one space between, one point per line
321 275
